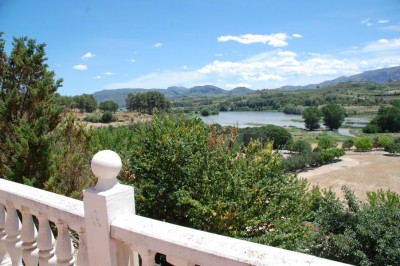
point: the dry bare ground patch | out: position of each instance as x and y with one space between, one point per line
360 171
123 118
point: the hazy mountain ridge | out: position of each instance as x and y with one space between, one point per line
119 95
378 75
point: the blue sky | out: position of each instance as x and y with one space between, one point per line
259 44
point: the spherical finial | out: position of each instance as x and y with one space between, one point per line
106 165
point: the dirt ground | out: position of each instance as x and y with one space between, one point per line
360 171
124 118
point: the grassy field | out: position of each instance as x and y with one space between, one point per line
312 136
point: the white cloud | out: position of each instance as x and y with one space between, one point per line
273 69
363 63
88 56
392 27
108 73
264 77
383 21
296 35
161 79
132 60
367 22
97 77
275 40
80 67
382 45
185 67
287 53
158 45
377 54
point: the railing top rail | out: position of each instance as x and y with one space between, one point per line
56 207
191 245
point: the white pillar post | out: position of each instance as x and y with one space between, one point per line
103 203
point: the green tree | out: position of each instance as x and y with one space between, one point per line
311 117
383 141
395 102
326 142
71 156
333 116
147 102
108 106
223 108
393 148
363 143
389 120
348 144
187 173
107 117
269 133
301 146
66 101
372 127
293 109
86 103
205 112
28 113
358 233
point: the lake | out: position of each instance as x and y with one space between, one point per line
257 119
254 119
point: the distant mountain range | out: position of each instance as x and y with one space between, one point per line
378 75
119 95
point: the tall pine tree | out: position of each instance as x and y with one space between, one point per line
28 113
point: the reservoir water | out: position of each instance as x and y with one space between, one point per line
257 119
254 119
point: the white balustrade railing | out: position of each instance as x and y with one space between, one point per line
24 241
110 233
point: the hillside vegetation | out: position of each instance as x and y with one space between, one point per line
347 94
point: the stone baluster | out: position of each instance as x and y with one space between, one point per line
4 258
13 230
64 247
148 257
102 204
134 255
30 253
45 242
82 259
